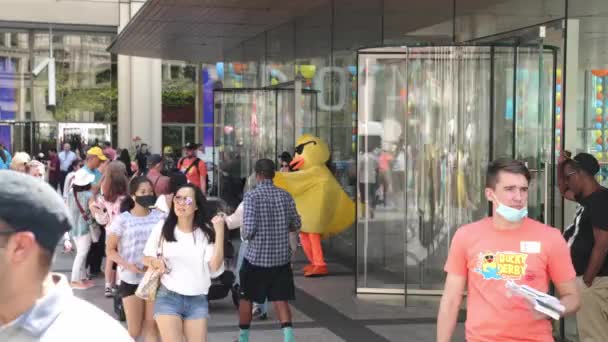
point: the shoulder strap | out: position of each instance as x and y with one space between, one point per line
156 182
82 212
194 163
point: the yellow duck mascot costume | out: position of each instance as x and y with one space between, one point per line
324 207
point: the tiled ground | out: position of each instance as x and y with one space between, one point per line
326 309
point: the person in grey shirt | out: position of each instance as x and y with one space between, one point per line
36 305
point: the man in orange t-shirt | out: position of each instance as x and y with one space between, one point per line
194 168
486 254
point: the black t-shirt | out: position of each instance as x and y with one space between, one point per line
592 212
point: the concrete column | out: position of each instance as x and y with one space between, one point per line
139 93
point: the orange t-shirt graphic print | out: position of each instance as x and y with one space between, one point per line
534 255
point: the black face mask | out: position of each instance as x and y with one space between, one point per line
146 201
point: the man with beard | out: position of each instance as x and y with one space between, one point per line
588 241
37 305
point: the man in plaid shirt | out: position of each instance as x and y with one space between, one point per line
269 216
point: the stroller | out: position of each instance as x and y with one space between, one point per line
224 284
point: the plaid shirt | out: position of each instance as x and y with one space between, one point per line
270 214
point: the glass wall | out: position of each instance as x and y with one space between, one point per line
86 88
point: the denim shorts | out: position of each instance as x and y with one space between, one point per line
174 304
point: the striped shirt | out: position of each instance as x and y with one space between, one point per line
269 215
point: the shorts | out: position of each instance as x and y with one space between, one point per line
186 307
126 289
261 283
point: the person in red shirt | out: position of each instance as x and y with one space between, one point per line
507 246
160 183
194 168
54 168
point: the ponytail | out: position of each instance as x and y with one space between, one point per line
127 204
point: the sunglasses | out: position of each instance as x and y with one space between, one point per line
489 257
300 148
187 200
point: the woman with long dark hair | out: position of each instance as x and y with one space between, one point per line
126 159
127 237
188 248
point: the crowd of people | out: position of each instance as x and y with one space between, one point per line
159 222
147 221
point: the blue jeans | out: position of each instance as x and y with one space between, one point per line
187 307
239 264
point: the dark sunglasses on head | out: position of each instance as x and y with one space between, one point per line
300 148
489 257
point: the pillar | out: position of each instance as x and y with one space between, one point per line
139 93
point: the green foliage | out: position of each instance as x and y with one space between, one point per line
178 92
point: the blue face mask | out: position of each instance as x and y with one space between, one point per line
511 214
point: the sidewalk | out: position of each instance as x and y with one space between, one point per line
325 310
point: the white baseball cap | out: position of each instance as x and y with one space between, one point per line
83 177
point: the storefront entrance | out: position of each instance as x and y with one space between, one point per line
430 120
257 123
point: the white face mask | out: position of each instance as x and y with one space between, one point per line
511 214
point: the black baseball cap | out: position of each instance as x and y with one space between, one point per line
30 204
154 159
587 163
191 146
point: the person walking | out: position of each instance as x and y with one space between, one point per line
125 158
5 158
69 179
54 166
78 199
269 216
142 159
66 158
194 168
587 238
105 207
94 160
508 246
127 237
188 248
38 305
176 181
155 167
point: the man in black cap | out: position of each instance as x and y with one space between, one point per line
36 305
588 241
193 167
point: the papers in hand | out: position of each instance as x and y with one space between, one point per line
541 301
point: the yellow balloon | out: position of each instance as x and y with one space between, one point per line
558 72
599 110
558 96
597 133
600 88
558 118
599 156
558 139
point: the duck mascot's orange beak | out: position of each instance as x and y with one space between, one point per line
297 162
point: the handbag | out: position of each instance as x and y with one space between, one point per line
149 285
94 229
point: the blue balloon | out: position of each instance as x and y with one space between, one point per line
558 87
598 125
558 110
599 103
558 131
599 148
600 80
352 69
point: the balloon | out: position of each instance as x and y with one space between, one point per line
558 124
598 126
558 72
599 103
308 71
558 131
558 110
599 118
558 88
597 133
600 96
599 140
352 70
599 88
599 156
599 111
558 97
558 118
599 148
600 81
558 139
559 80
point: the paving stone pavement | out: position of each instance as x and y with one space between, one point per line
325 310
